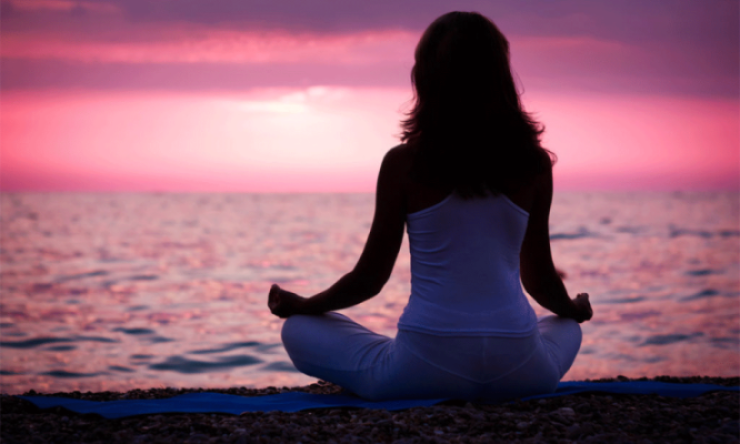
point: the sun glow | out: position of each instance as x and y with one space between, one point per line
333 139
314 139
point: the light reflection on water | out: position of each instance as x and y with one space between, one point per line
122 291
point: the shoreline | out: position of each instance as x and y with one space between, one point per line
590 417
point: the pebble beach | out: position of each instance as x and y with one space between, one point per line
588 418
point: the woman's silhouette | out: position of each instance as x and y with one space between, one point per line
473 187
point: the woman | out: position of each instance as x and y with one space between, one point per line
473 186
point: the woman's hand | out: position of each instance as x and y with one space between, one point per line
583 310
283 303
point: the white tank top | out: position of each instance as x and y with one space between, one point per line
465 269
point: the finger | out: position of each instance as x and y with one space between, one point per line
273 301
275 291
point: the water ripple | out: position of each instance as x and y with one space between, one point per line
702 272
31 343
143 277
95 339
704 234
159 340
66 374
225 348
118 368
135 331
582 233
670 339
72 277
280 366
188 366
624 300
639 315
629 229
61 348
676 232
708 293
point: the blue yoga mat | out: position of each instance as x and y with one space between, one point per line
297 401
219 403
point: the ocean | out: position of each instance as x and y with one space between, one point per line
122 291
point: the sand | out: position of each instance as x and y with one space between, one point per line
597 418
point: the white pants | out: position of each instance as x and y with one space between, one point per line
415 365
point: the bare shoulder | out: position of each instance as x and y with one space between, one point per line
402 153
398 160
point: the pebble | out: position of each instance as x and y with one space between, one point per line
566 411
588 418
574 431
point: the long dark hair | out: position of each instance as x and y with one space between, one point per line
467 122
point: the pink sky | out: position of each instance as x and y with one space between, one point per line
125 96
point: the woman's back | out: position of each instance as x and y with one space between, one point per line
465 268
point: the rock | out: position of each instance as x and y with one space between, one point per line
586 429
730 428
565 411
573 431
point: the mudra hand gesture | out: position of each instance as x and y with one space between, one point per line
583 311
283 303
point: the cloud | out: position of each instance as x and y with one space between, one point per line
680 47
219 46
74 7
23 74
626 20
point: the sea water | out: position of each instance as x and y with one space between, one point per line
122 291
